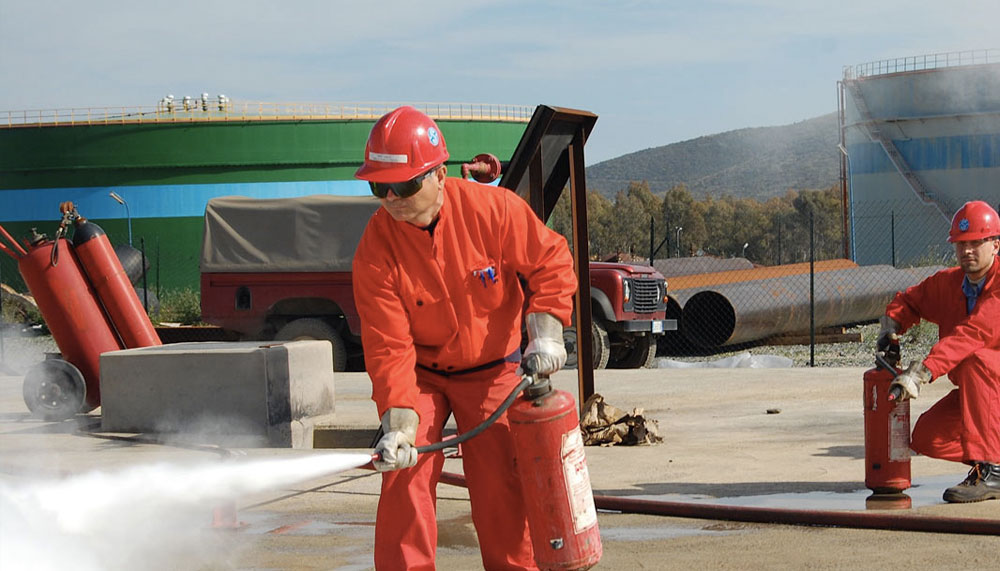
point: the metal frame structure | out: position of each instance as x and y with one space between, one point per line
549 154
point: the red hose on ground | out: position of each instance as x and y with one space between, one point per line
859 520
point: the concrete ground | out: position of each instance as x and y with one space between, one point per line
721 446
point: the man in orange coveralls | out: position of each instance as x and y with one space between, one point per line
436 281
964 302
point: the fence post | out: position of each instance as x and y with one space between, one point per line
892 237
145 287
812 290
3 330
779 243
651 252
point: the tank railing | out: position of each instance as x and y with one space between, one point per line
224 109
922 62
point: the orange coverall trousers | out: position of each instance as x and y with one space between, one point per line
962 426
406 537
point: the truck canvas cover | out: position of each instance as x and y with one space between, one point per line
317 233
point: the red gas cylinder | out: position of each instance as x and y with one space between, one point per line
70 309
887 435
114 290
552 466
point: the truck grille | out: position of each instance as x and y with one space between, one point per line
645 295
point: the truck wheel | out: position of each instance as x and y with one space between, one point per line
635 352
569 340
599 340
54 390
602 345
312 328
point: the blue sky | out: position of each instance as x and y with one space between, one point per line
654 72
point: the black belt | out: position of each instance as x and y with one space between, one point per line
514 357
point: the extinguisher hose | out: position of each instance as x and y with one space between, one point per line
458 439
529 378
896 391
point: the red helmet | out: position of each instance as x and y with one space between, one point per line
403 144
974 221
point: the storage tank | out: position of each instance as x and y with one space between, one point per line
165 162
920 136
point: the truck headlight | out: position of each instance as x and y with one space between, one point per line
626 290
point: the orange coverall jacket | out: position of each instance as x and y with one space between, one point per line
452 300
964 425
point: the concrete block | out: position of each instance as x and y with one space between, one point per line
243 393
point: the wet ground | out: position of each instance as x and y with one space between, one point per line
721 447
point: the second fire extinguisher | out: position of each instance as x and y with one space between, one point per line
112 286
887 433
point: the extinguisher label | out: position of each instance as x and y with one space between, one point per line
899 432
577 479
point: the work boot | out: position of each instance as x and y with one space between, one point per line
982 483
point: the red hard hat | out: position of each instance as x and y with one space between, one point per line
974 221
403 144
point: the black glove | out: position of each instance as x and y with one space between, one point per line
887 343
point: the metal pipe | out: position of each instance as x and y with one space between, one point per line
857 520
742 312
675 267
704 279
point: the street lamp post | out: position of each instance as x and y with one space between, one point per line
128 214
744 253
679 228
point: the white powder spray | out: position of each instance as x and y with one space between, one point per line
146 517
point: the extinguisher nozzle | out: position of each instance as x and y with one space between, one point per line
895 393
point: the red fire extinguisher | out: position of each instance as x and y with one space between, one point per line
887 432
113 288
551 464
56 389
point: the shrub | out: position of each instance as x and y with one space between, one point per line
181 306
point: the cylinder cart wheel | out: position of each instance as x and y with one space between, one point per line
54 390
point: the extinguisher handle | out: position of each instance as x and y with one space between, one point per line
882 363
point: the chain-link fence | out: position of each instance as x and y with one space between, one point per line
804 284
824 306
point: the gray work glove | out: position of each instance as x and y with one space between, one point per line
911 379
887 343
545 342
397 447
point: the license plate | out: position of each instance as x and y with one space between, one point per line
657 327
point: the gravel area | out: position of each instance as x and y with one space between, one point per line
915 344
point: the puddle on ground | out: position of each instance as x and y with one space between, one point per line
924 492
256 522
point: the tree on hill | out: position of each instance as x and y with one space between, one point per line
775 231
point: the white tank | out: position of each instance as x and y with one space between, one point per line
920 136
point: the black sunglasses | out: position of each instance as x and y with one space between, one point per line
400 189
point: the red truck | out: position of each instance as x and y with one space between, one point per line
281 269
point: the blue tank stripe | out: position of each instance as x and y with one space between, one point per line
935 153
156 201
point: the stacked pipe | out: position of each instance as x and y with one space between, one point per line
727 308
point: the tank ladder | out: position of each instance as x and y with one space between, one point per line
926 195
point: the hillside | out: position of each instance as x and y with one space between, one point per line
759 162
